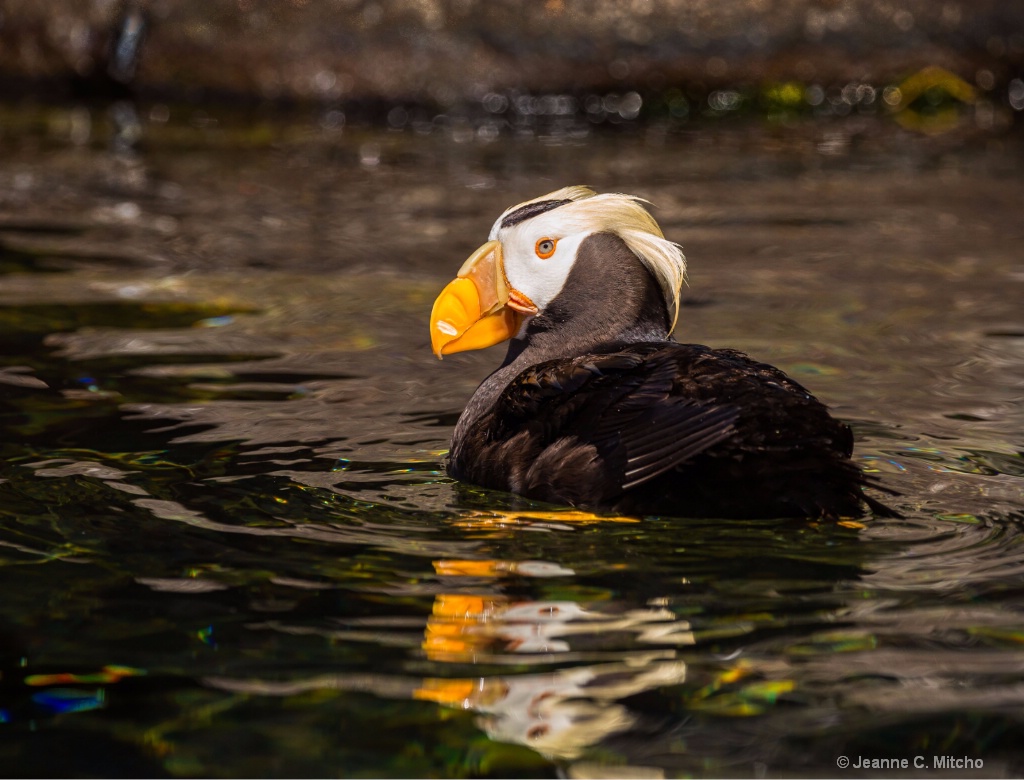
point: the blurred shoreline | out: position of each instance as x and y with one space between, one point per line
463 55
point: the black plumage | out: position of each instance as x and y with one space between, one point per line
594 406
664 428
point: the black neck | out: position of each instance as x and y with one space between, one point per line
609 297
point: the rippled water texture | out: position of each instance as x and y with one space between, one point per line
228 546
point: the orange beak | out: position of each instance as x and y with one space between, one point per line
478 308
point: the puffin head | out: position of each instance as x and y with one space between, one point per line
531 252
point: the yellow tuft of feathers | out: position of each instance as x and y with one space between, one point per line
627 217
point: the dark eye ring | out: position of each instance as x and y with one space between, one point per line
545 248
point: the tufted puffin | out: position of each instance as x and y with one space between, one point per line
596 406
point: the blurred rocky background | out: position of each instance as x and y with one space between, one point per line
607 59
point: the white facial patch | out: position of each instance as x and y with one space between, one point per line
583 213
538 279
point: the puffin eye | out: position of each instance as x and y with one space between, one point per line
545 248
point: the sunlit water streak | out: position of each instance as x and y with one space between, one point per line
231 484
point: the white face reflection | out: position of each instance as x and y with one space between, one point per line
561 713
558 713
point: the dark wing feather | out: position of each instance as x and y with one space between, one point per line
618 407
678 432
665 428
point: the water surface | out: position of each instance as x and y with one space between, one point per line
229 546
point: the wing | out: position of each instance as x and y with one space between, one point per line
601 424
665 427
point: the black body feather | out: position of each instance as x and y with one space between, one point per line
594 407
664 428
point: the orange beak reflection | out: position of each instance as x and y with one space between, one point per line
477 309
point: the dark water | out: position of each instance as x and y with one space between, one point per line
228 546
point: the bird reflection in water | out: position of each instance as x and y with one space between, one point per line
557 713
